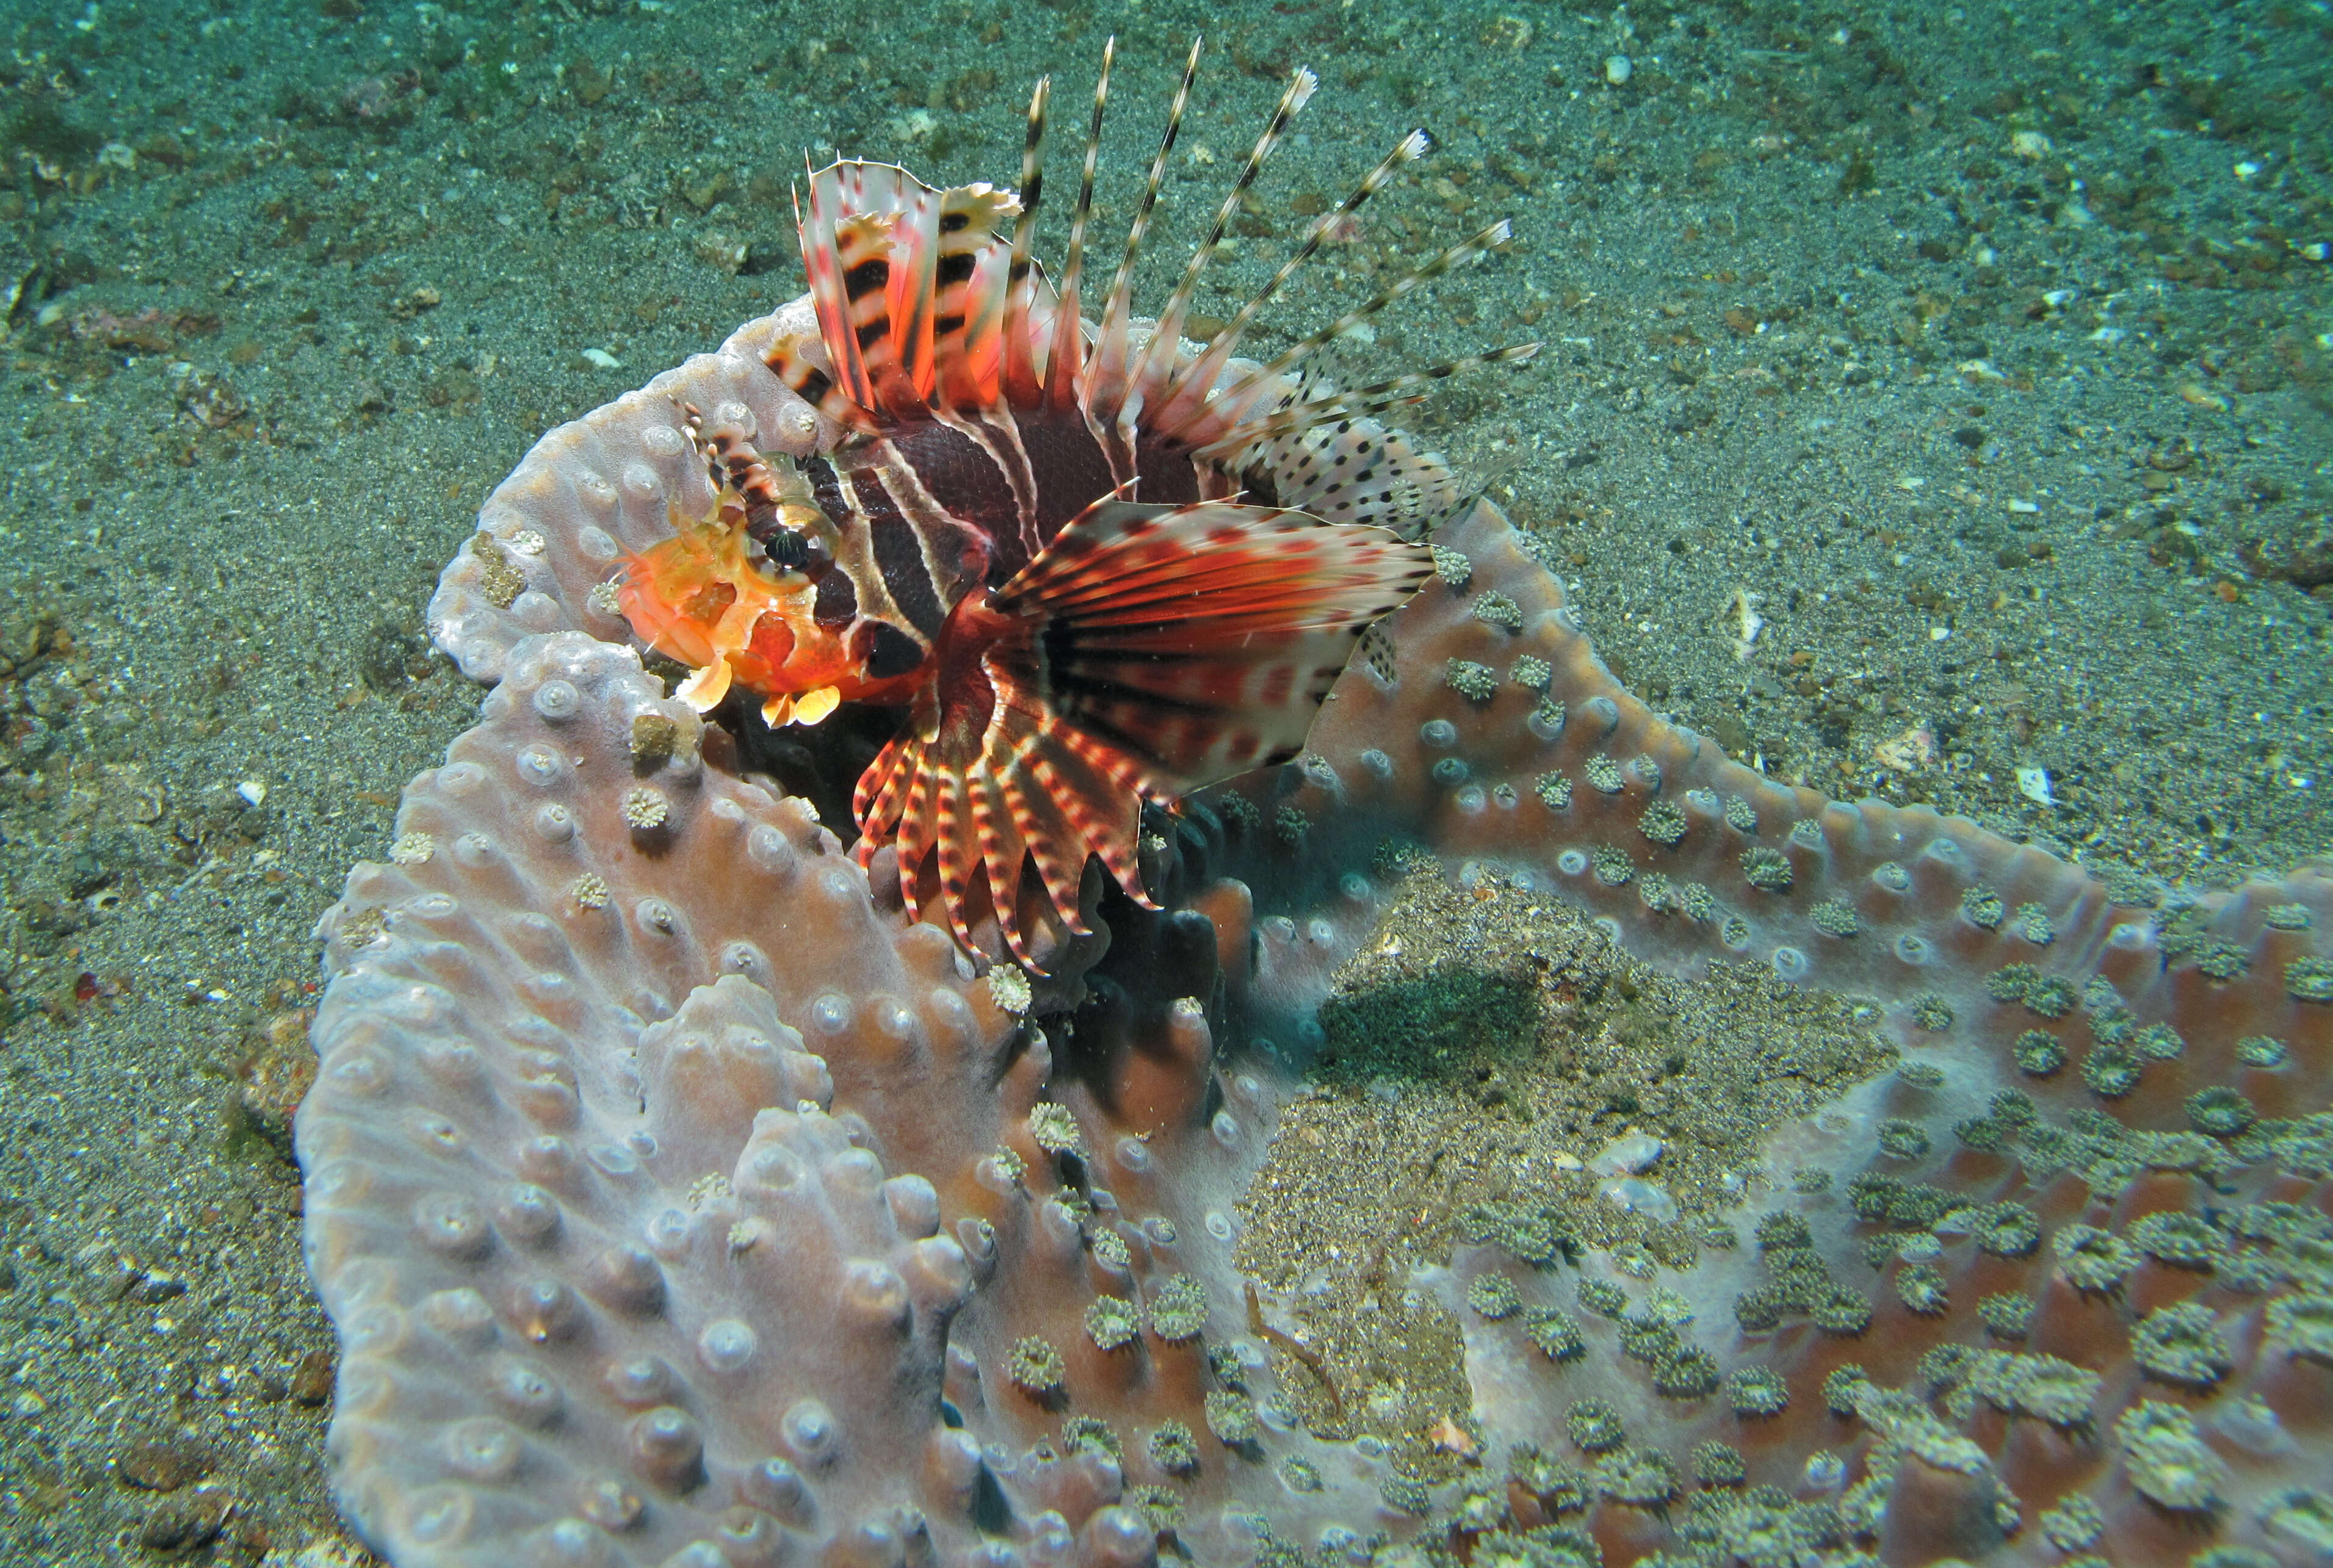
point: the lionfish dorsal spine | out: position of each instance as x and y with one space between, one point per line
1065 364
1189 386
1161 358
1019 381
1106 379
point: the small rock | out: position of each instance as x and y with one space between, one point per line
159 1286
208 399
1638 1196
1626 1155
722 251
162 1465
704 193
312 1382
86 874
186 1525
2295 551
588 82
277 1068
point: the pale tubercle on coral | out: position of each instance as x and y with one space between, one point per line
677 1201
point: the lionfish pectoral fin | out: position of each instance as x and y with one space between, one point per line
1147 651
1183 645
973 809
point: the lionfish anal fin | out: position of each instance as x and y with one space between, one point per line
1148 651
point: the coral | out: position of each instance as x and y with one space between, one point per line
675 1199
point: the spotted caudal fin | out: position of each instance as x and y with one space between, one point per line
1148 651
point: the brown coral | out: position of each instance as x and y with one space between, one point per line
672 1195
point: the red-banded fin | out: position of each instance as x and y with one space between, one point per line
909 286
824 262
803 366
981 799
1148 651
1190 643
973 278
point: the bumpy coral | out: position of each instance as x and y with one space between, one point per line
676 1201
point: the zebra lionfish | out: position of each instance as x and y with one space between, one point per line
1096 565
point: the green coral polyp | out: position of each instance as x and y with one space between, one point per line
2182 1344
1554 1331
1173 1448
1594 1426
2166 1459
1112 1322
1178 1309
1494 1296
1233 1419
1034 1366
1757 1391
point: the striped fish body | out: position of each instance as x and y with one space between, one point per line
930 512
1098 565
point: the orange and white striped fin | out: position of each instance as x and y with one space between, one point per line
909 285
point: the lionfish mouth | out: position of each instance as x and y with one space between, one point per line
1103 566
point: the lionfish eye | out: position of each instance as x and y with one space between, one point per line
792 550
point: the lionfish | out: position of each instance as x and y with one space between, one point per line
1096 566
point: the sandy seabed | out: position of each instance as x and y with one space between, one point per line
1935 405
